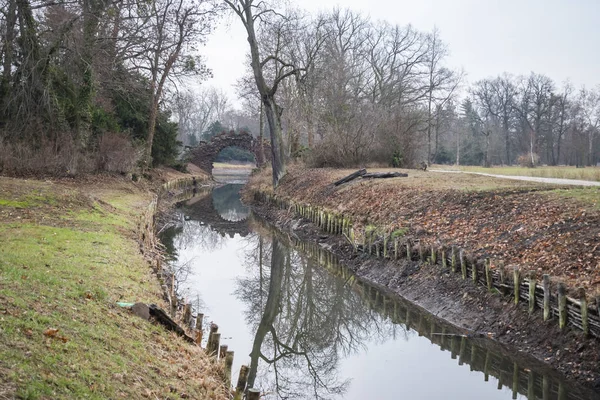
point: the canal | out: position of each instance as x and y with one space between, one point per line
308 329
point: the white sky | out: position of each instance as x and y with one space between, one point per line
558 38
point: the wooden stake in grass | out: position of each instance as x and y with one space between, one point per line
222 351
474 271
444 260
396 249
532 283
253 394
453 260
562 305
241 383
584 311
408 251
228 364
503 287
488 274
516 283
463 264
546 284
433 256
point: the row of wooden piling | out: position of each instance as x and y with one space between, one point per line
512 374
184 188
555 304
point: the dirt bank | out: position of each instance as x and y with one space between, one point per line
434 211
69 251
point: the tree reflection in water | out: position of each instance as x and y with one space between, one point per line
306 320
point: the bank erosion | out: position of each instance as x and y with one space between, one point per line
468 240
70 250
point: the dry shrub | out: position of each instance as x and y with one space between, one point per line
58 157
116 153
525 160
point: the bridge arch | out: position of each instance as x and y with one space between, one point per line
205 153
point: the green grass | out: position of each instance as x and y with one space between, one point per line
68 276
589 196
588 173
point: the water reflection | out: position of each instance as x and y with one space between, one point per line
312 330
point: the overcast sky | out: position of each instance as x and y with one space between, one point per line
558 38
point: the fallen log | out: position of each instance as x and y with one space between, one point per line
360 172
161 317
377 175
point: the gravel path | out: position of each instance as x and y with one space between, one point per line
555 181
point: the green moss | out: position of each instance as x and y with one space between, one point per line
400 232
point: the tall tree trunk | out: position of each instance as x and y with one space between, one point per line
506 139
271 307
9 37
273 112
261 128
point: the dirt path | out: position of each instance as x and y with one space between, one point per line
554 181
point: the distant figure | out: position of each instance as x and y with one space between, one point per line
423 166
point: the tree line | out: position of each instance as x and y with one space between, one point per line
93 84
349 91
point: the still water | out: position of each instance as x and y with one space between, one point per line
309 329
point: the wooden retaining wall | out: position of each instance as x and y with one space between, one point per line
547 296
476 353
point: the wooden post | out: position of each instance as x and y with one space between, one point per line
503 288
212 348
545 388
253 394
530 386
562 305
241 383
408 251
228 364
453 260
444 261
421 252
199 332
532 283
515 381
463 264
486 366
222 351
354 247
488 274
473 270
516 283
376 249
584 311
463 347
396 249
385 242
433 256
187 314
213 331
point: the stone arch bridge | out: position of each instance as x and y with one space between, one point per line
205 153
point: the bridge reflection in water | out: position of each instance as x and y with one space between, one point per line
312 330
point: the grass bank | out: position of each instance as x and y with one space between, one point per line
68 253
561 172
532 226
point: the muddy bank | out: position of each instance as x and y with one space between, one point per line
461 303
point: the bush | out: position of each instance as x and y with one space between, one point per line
116 153
525 160
58 157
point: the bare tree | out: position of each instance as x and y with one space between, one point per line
173 28
270 56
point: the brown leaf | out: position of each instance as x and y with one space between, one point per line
51 332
